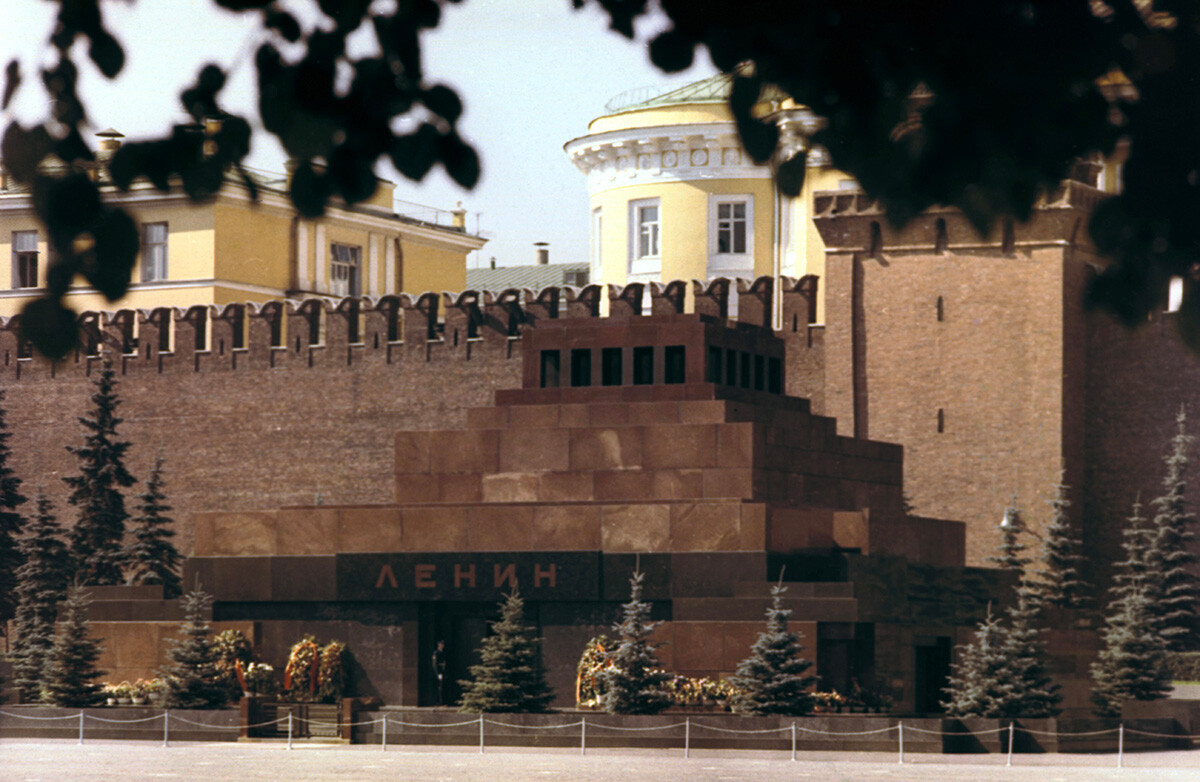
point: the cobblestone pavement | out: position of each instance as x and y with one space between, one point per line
60 761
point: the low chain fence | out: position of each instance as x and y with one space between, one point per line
686 734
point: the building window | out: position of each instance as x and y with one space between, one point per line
731 236
674 364
643 366
731 227
25 259
581 367
775 376
550 366
645 229
344 270
714 364
610 366
154 252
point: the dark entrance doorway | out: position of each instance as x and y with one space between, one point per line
462 626
932 673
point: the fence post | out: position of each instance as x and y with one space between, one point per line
583 736
384 748
687 736
1121 745
166 727
80 726
1008 762
481 733
793 741
289 730
900 730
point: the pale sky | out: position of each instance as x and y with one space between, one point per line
532 74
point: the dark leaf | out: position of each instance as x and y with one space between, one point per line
413 155
444 102
283 23
61 272
233 139
200 100
672 51
107 53
72 147
347 14
49 326
790 175
68 206
422 13
22 150
12 80
115 253
353 176
310 190
460 160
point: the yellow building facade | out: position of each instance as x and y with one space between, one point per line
674 196
235 249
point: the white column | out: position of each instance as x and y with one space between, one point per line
389 265
302 255
372 286
321 273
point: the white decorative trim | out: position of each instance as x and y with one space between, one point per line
321 270
371 288
389 265
301 255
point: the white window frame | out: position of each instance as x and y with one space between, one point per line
730 262
345 269
154 252
645 237
20 253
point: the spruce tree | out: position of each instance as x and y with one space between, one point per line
191 678
151 556
634 683
508 677
96 539
1132 664
71 673
11 525
1062 584
980 683
1032 694
41 586
1173 584
773 679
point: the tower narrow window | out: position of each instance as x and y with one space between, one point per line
731 227
154 252
643 366
611 366
550 369
345 270
581 367
24 259
674 363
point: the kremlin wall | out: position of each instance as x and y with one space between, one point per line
380 469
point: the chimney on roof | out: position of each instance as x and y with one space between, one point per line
542 250
110 141
458 217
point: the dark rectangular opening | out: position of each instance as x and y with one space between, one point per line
611 366
775 376
581 367
674 364
643 366
760 373
744 370
550 365
731 367
713 370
